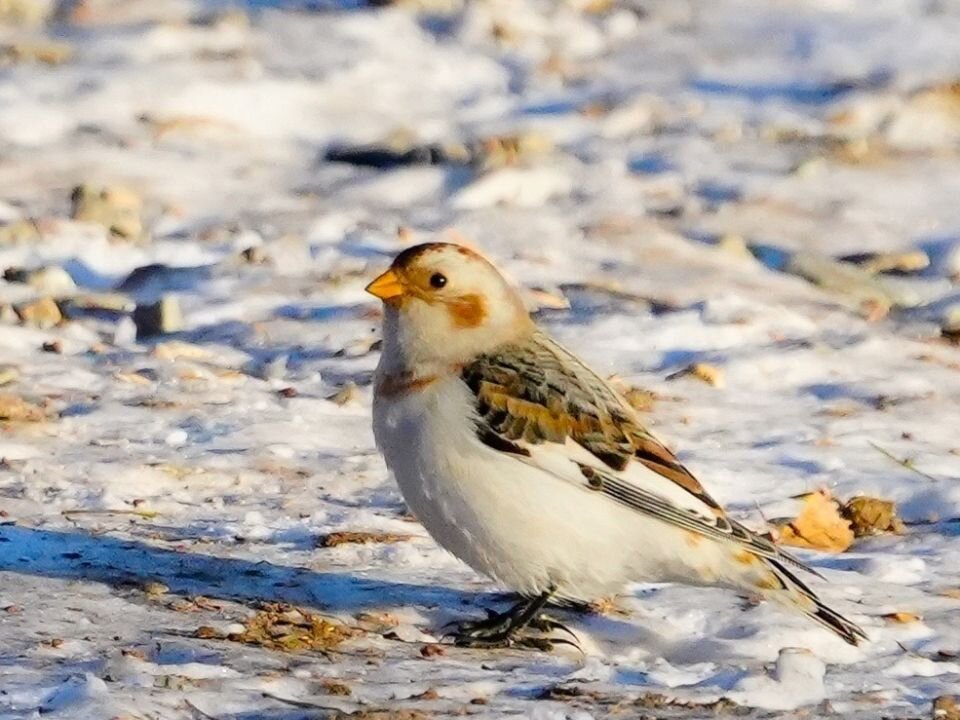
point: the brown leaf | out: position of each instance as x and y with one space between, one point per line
332 687
360 538
190 124
710 374
173 350
116 208
946 707
872 516
16 409
43 313
289 629
640 399
902 262
376 622
607 606
902 617
381 715
818 526
43 51
133 378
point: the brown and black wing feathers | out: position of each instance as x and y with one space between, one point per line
538 392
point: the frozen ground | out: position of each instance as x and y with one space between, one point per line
674 124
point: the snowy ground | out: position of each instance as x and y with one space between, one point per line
176 486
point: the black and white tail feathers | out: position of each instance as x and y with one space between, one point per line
796 594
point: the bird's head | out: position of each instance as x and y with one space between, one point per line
444 303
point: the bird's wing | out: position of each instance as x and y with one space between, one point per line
539 403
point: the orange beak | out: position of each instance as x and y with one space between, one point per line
387 287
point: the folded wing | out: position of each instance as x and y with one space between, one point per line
538 402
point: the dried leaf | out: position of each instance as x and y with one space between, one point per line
607 606
117 208
640 399
710 374
134 378
289 629
332 687
376 622
946 707
872 516
43 313
43 51
896 262
155 588
818 526
189 124
902 617
360 538
16 409
381 715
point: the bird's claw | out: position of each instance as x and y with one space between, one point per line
547 644
547 624
495 623
496 632
519 641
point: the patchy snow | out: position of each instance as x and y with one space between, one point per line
179 481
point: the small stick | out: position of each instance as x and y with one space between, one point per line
146 514
903 462
306 704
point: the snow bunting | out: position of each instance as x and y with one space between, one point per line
529 467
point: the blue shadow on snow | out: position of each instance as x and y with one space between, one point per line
122 563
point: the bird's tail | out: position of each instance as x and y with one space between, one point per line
794 593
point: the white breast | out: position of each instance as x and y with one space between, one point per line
523 526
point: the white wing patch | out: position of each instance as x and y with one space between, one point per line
647 492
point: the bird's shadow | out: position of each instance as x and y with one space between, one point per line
122 563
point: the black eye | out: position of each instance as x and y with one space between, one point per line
438 280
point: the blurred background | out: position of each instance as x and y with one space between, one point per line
188 129
744 212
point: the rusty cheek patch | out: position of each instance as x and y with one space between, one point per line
468 311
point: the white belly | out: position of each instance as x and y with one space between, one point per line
515 523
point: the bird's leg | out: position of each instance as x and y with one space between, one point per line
498 629
506 629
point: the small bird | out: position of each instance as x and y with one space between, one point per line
524 463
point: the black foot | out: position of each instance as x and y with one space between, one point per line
495 625
512 629
547 624
518 638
